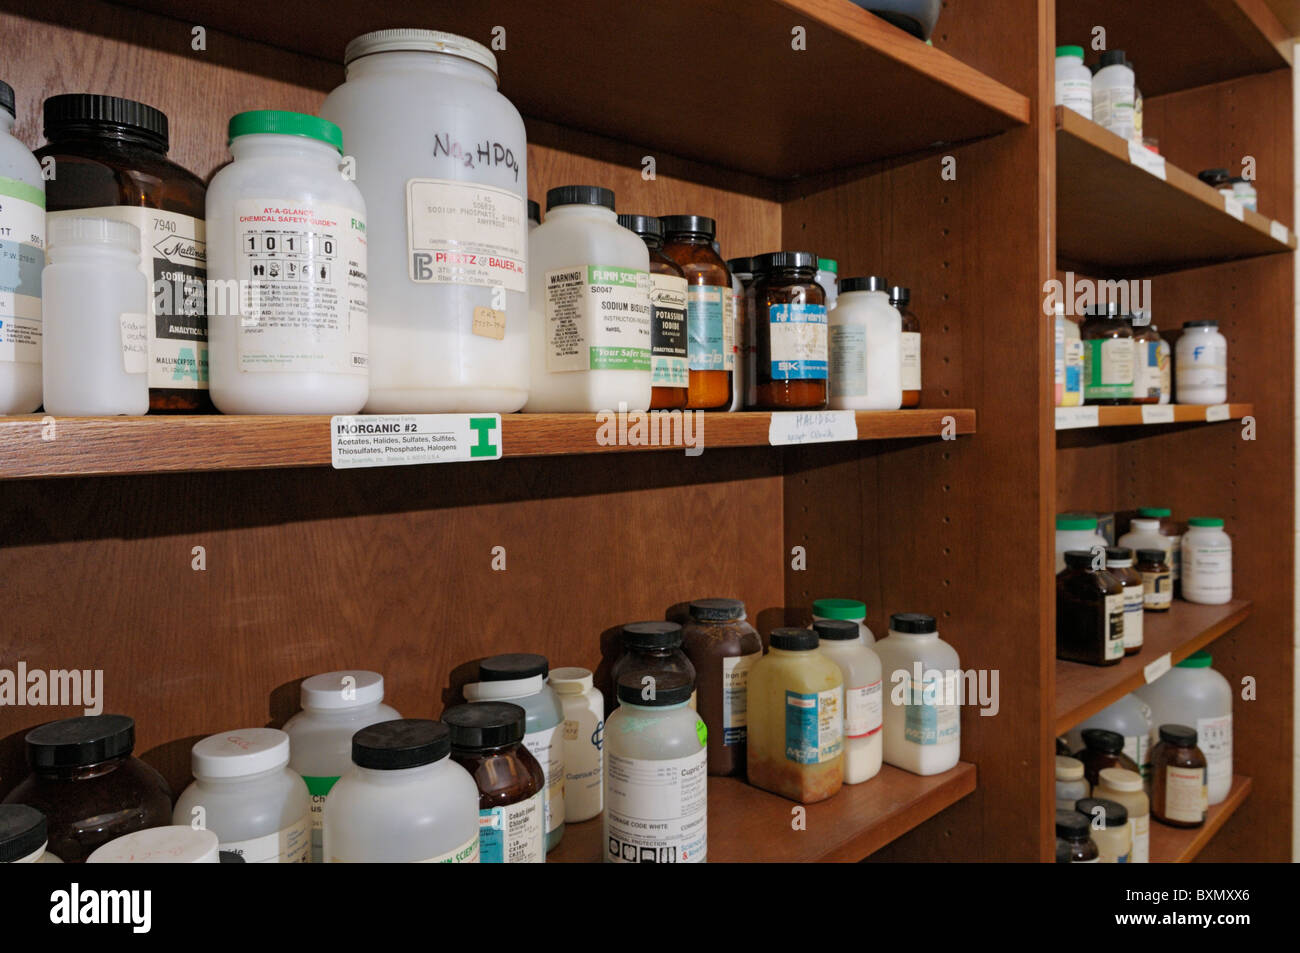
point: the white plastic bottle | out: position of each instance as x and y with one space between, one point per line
441 159
1073 81
404 800
922 684
287 271
95 298
1207 562
22 223
1144 533
1114 91
828 271
589 307
244 792
1194 694
863 698
1201 364
171 844
656 776
853 610
1130 718
865 347
584 730
1076 531
335 706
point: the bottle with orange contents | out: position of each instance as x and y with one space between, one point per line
709 309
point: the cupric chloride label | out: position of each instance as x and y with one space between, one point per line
656 812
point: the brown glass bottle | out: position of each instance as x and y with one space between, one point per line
1146 363
1178 769
1102 749
1089 612
790 307
1157 580
110 160
1073 828
1119 563
910 372
1108 357
669 357
688 242
88 786
723 647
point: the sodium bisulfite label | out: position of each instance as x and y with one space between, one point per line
391 440
597 319
656 812
813 426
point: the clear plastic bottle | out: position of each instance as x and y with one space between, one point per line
245 793
1114 90
335 705
22 222
656 775
584 729
589 307
1073 81
1201 364
1206 568
863 696
852 610
172 844
1194 694
922 718
1129 718
404 800
865 347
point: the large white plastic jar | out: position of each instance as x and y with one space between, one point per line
1130 718
335 706
589 298
1076 531
1114 95
96 305
22 225
863 696
1073 81
1207 561
1201 364
287 271
244 792
1194 694
441 159
404 801
584 729
172 844
866 347
922 686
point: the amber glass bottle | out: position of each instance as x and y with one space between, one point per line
1178 778
688 240
1108 357
110 161
910 372
1089 612
669 359
791 361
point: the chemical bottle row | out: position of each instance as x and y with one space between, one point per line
1118 358
396 276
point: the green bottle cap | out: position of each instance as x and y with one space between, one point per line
1070 51
1212 521
1201 659
280 123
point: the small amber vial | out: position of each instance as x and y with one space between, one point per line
791 360
688 241
910 346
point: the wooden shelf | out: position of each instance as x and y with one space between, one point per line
1081 418
88 446
748 825
1116 219
584 68
1178 44
1084 690
1177 845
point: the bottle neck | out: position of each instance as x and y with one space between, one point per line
108 136
399 775
343 714
581 211
406 61
82 772
92 252
271 145
240 779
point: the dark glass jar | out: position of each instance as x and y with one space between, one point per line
110 161
88 786
1157 580
1119 563
791 360
910 371
723 647
1089 612
1074 828
1108 357
1146 360
487 741
688 241
1103 749
669 359
1179 787
653 648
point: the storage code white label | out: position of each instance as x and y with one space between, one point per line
1216 412
1156 668
1279 232
1071 418
1157 413
1145 159
390 440
1234 208
815 426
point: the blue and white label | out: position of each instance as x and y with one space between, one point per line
798 341
512 834
814 725
706 334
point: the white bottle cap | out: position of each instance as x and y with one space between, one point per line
237 754
406 40
1068 769
174 844
1119 779
352 688
571 681
82 230
508 688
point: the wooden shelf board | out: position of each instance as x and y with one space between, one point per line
87 446
1180 44
1084 690
575 71
1178 845
748 825
1120 220
1131 416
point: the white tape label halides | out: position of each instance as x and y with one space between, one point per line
1279 232
1234 208
1157 413
1216 412
813 426
1070 418
392 440
1145 159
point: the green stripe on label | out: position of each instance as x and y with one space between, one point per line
21 190
608 275
319 787
620 358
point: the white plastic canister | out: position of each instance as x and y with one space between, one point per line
866 347
22 222
1194 694
440 157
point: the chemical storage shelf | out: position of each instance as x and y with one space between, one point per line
748 825
1177 845
1150 415
32 446
1168 638
1117 219
1179 44
583 77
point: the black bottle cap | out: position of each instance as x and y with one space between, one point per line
898 295
1078 559
7 99
717 610
1151 555
794 640
652 635
579 195
743 266
1072 825
913 623
534 212
777 260
668 689
22 832
405 743
1180 735
1214 177
1118 554
689 225
1113 58
1099 739
649 228
869 283
80 742
1114 812
230 857
70 111
512 666
485 724
1208 323
837 630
